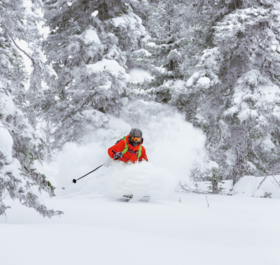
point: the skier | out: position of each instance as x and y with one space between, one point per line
129 148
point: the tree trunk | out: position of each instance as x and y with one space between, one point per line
171 65
239 145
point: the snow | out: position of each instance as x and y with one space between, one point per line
203 81
142 179
246 185
251 166
253 96
206 71
253 86
164 131
6 142
96 230
210 59
142 53
95 13
27 62
13 167
130 21
108 65
192 79
179 84
231 111
29 9
267 144
138 75
7 106
96 117
174 55
161 70
151 44
51 71
198 79
212 164
270 186
90 36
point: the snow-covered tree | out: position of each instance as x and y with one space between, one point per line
161 54
20 145
88 46
235 88
19 23
180 31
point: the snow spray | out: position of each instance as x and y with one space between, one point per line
173 146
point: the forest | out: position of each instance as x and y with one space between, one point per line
65 68
196 85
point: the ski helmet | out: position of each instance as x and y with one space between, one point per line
137 133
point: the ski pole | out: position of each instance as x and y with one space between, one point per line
75 180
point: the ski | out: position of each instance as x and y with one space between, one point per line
130 196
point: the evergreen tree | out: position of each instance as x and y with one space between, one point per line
227 67
88 47
20 145
235 88
161 54
180 31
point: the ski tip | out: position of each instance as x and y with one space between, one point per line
74 181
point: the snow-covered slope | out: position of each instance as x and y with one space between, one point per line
173 228
98 230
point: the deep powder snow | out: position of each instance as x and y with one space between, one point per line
172 145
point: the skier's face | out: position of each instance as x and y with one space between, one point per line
136 139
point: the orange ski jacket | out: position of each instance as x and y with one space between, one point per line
131 154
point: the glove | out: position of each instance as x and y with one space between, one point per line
118 155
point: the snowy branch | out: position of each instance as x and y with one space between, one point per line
33 61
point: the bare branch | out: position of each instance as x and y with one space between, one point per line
263 166
262 181
274 184
277 182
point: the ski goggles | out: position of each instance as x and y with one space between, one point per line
135 139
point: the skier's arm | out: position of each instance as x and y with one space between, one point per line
119 147
143 155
